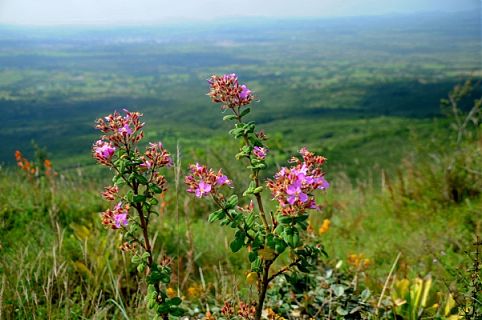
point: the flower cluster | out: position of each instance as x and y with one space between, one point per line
325 226
260 152
24 164
156 156
110 193
293 187
203 182
119 131
33 169
103 151
227 90
116 218
358 261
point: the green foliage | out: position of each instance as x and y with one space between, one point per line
329 293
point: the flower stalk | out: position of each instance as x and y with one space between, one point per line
292 190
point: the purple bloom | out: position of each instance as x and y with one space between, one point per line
324 184
202 189
232 77
260 152
146 164
222 179
294 192
118 206
120 219
245 92
197 168
104 150
294 188
125 130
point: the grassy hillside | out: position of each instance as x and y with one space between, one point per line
405 200
312 72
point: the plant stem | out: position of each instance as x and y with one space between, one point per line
284 269
144 224
263 289
255 178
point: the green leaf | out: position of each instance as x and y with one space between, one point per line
238 241
285 219
216 215
292 237
258 189
301 218
130 196
338 290
232 202
250 219
252 256
155 188
177 312
141 267
138 198
175 301
122 165
118 180
341 311
141 179
256 265
151 303
165 277
151 289
163 308
245 112
136 259
145 256
365 294
229 117
279 245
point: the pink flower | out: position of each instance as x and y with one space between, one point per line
125 130
146 164
117 217
156 156
293 187
103 150
294 193
119 129
120 219
323 183
203 189
222 179
245 92
203 181
260 152
227 90
197 168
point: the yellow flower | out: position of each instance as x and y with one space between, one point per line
192 292
171 293
271 315
358 261
325 226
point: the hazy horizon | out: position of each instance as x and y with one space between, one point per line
152 12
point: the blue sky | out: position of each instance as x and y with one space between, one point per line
111 12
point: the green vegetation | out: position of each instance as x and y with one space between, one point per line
366 98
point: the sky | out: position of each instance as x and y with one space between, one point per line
125 12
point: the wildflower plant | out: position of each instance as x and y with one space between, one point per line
137 182
266 235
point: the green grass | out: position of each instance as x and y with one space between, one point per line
58 261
